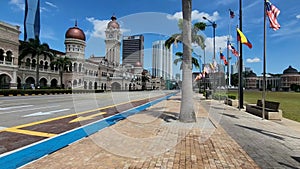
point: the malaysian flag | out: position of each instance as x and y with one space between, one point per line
272 13
233 50
222 57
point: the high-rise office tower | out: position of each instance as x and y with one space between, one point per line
32 19
133 50
162 60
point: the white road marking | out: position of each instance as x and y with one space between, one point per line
1 128
45 113
15 107
22 110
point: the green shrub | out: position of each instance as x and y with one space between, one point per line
233 97
219 96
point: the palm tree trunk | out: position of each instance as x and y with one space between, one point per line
61 79
37 71
187 113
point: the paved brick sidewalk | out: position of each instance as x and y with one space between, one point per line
153 139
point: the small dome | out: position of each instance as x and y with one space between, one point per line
252 74
138 64
75 33
113 23
290 70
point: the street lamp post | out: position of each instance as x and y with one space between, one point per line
214 25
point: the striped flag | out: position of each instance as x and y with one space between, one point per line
272 13
233 50
222 57
242 38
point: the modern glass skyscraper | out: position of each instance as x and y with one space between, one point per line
133 50
32 19
162 60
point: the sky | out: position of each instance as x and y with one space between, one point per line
157 20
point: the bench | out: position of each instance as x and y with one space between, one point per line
272 111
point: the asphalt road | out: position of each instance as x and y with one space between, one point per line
19 110
27 119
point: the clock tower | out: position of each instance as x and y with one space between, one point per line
112 41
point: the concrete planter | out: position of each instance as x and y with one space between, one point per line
231 102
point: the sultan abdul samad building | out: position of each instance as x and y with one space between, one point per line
93 73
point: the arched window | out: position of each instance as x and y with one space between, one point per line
52 66
75 67
33 64
1 55
8 56
80 66
46 65
41 64
27 64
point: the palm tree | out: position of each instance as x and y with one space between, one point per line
36 49
187 36
197 39
180 58
62 63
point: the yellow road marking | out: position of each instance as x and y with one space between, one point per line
81 118
71 115
28 132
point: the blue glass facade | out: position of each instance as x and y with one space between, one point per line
32 19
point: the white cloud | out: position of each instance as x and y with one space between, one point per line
221 42
254 60
100 27
19 3
196 16
176 16
298 16
51 4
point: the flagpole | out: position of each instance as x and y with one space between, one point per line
238 62
264 63
228 57
241 98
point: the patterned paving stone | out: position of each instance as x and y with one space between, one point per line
154 139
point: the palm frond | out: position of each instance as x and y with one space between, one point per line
195 62
200 26
199 40
174 39
180 54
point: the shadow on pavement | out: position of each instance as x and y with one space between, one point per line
178 99
230 115
296 158
166 116
267 133
286 165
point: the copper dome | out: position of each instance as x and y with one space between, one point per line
290 70
75 33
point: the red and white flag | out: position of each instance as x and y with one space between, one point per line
272 13
232 49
